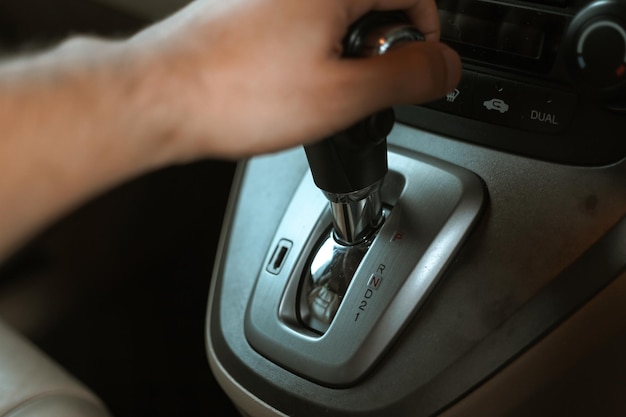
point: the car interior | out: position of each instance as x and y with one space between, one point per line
465 257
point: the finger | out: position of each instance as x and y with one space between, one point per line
425 17
412 74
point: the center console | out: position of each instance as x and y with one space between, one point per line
398 267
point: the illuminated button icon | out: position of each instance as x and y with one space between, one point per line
496 104
452 95
375 282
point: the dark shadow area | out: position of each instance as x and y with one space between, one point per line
117 291
31 24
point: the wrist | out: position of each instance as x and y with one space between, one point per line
72 129
119 105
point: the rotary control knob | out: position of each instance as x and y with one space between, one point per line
596 49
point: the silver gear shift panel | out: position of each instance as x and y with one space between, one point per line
283 340
432 207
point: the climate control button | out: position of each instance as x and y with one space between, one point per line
522 106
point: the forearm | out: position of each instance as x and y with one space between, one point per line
66 133
218 79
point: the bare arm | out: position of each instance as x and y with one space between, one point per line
65 135
219 79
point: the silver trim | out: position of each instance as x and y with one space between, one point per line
409 255
357 215
327 277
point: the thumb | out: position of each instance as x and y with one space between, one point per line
412 73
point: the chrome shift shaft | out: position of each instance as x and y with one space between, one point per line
350 167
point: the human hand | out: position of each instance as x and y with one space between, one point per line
220 79
236 78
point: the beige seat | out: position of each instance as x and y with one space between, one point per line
32 385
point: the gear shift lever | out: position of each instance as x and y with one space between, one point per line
349 167
331 299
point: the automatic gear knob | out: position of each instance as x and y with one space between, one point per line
349 167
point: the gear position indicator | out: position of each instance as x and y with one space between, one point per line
373 284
